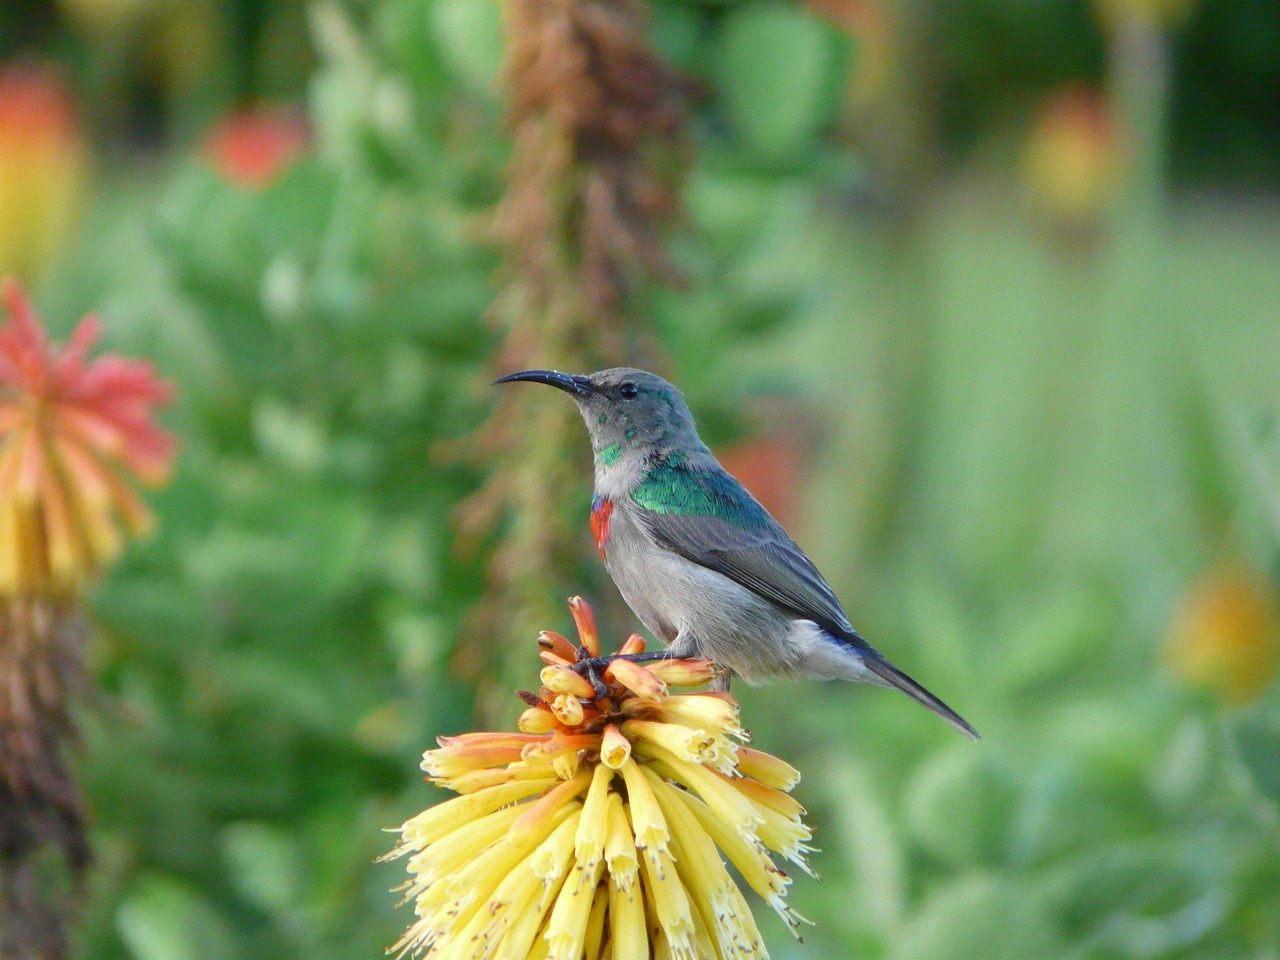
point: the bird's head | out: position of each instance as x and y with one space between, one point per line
630 413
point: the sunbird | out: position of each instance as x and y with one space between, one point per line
697 558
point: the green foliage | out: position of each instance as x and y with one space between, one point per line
1011 519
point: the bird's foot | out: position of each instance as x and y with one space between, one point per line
592 668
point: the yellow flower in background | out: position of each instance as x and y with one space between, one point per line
43 163
1073 159
1225 635
601 829
74 434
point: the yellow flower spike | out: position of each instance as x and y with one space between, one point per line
768 769
585 621
541 854
615 749
532 821
565 680
647 823
568 709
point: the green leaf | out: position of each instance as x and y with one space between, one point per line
981 917
778 71
1257 740
470 39
165 919
958 806
264 864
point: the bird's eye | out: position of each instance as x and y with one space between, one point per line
628 391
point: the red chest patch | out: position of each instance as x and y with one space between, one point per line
601 510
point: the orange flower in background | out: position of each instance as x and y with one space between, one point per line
601 829
42 168
1072 162
251 148
74 434
1225 635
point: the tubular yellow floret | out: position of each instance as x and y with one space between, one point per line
768 769
685 742
714 788
615 749
684 673
532 822
593 828
434 822
647 823
565 680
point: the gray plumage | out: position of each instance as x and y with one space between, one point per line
697 558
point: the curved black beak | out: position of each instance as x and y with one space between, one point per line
575 384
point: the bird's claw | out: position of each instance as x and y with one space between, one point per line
592 670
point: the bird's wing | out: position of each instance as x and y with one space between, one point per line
708 517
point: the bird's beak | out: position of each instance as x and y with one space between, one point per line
575 384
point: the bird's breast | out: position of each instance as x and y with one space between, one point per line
601 511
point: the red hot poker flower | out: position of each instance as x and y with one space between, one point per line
74 433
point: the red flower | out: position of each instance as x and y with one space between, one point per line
73 433
251 148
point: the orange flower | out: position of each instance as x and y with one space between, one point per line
73 433
602 830
1225 635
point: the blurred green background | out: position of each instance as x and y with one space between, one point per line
983 300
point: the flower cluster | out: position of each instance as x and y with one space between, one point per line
73 432
1224 635
599 829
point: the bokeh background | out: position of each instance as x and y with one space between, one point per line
980 296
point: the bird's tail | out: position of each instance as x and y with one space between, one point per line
894 677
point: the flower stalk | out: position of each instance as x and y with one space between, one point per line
603 830
75 436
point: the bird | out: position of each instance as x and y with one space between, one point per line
697 558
